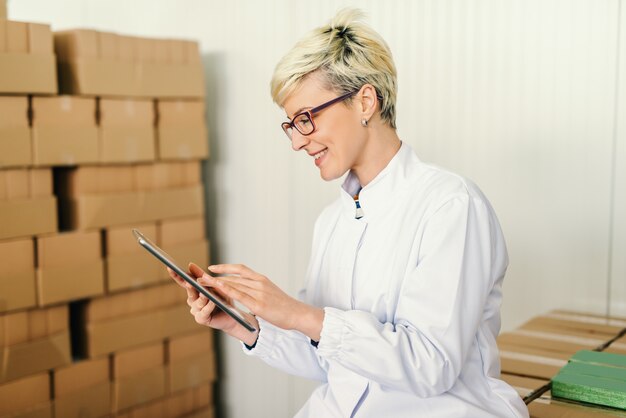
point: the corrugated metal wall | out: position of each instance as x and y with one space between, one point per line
527 98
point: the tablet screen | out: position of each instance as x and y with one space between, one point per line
166 259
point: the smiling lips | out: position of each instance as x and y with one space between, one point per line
319 155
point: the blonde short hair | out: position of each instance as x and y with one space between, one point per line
347 54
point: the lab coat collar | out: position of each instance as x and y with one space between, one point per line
377 196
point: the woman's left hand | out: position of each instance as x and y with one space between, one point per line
263 298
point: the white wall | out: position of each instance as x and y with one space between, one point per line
525 97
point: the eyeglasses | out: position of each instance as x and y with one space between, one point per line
303 121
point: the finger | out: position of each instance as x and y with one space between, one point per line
195 270
179 280
219 281
242 296
192 294
239 269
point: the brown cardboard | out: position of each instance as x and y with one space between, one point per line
64 130
13 328
191 371
83 389
28 73
27 63
26 217
36 411
144 68
126 144
40 39
16 37
80 376
139 388
17 276
78 42
134 330
129 265
69 267
37 324
120 240
91 211
3 10
126 130
194 252
134 361
133 302
176 231
185 346
16 184
191 360
94 401
108 46
57 319
132 270
21 395
15 147
40 182
88 180
31 357
182 132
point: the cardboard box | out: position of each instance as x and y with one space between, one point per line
3 9
64 130
89 180
27 63
128 265
195 252
17 276
173 232
182 132
134 302
27 217
83 389
105 64
191 361
138 376
24 395
126 130
15 146
134 330
25 183
32 325
32 357
98 211
69 267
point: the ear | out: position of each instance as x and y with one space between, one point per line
368 101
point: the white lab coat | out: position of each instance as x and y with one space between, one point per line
411 294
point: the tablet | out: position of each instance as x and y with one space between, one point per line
168 261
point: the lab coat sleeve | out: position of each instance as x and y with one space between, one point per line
286 350
439 309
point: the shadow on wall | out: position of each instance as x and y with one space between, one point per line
214 76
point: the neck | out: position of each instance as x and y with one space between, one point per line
381 146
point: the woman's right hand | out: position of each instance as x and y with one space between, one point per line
206 312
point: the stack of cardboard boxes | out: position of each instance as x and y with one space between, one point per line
535 352
90 323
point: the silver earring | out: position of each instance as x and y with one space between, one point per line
364 123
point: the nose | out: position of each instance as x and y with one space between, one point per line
298 141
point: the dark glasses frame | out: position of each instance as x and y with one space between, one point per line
288 126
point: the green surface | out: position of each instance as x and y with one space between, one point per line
593 377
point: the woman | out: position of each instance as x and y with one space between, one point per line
401 307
